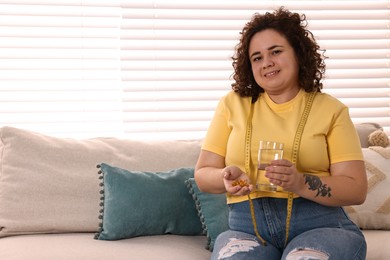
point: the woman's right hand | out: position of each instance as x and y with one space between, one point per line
232 175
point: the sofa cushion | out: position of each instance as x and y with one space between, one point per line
80 246
143 203
364 130
212 210
49 184
374 213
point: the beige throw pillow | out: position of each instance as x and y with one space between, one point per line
374 213
50 185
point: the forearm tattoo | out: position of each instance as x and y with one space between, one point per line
316 184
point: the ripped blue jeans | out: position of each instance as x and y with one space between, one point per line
316 232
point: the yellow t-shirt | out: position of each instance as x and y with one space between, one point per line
329 135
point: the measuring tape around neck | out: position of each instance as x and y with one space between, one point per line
295 150
296 144
248 138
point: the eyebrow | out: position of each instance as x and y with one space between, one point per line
269 48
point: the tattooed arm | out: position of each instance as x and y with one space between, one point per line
315 184
347 184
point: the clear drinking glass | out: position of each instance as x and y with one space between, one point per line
268 151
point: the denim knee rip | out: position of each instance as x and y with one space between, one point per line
235 246
306 254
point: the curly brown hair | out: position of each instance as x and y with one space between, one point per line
293 27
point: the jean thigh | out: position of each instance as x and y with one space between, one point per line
308 215
240 218
336 243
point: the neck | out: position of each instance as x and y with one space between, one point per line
284 97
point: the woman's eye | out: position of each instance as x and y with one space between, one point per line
276 52
256 58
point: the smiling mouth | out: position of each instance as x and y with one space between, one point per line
271 74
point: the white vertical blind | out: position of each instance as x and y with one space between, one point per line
157 68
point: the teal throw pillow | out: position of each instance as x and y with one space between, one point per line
136 203
213 212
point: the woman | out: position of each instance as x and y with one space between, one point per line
276 68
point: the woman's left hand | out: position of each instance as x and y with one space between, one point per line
283 173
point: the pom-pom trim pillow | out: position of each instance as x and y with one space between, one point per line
136 203
213 212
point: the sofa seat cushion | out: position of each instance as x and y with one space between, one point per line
377 244
163 247
83 246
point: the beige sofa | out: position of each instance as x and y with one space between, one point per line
53 204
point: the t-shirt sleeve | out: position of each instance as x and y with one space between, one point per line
218 131
343 140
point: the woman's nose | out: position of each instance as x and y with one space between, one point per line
267 62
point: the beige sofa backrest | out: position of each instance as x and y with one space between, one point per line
50 185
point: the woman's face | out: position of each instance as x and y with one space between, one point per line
274 65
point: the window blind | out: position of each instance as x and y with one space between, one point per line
176 59
59 71
155 69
